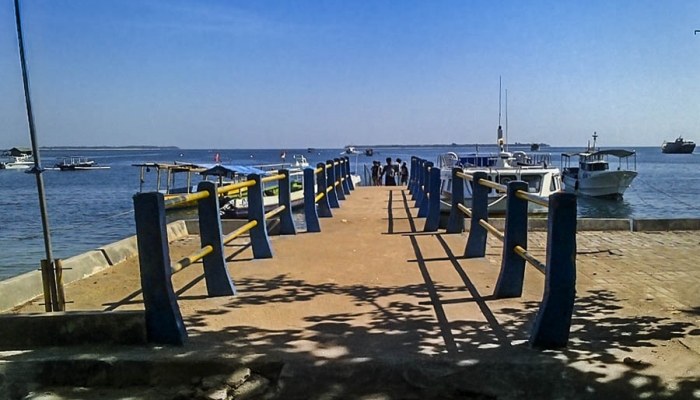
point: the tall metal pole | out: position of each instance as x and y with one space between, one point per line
37 170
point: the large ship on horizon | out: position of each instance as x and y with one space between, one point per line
679 146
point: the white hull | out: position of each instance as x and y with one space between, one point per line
17 165
602 184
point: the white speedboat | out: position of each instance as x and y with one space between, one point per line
24 161
537 171
593 176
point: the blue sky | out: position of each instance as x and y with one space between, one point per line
297 74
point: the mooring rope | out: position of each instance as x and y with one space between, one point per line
667 195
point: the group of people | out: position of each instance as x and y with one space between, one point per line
389 174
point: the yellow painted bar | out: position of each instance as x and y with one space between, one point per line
462 175
493 185
529 258
238 232
319 197
239 185
173 201
318 170
337 183
329 165
274 212
445 203
272 178
192 258
336 163
329 188
492 230
533 198
465 210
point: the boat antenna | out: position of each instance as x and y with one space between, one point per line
48 267
499 139
506 119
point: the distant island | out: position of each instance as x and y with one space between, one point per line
98 148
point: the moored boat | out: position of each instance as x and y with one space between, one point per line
679 146
593 176
76 163
17 158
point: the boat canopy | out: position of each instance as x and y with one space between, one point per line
231 170
613 152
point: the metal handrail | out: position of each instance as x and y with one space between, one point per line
318 170
519 250
492 229
462 175
239 185
465 210
493 185
275 212
542 201
238 232
272 178
173 201
329 188
191 259
319 197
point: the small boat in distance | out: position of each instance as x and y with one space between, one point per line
593 176
76 163
18 158
679 146
350 150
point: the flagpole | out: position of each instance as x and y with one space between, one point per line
51 302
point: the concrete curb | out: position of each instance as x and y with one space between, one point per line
23 288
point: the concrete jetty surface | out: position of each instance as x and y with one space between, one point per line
374 308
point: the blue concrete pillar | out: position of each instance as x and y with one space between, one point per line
337 172
332 194
512 275
553 322
345 174
476 242
324 206
285 195
164 323
256 212
310 214
418 194
432 222
424 200
216 274
348 173
412 176
456 221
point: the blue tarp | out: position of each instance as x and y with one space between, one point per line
231 170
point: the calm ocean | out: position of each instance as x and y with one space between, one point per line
88 209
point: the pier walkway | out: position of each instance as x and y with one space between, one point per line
372 306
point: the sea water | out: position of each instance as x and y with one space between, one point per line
88 209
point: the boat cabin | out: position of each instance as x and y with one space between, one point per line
596 161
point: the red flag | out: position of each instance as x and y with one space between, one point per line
216 158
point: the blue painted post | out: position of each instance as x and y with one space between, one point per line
510 279
424 200
345 175
324 206
432 222
163 318
216 274
456 221
310 214
348 173
418 194
553 322
339 189
330 180
256 212
476 242
285 195
412 177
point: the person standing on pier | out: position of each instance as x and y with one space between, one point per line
390 172
376 176
404 174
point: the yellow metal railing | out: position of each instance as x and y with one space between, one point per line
532 198
493 185
180 199
239 185
529 258
462 175
191 259
492 230
274 212
238 232
272 178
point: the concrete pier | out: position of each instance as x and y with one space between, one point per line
372 307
